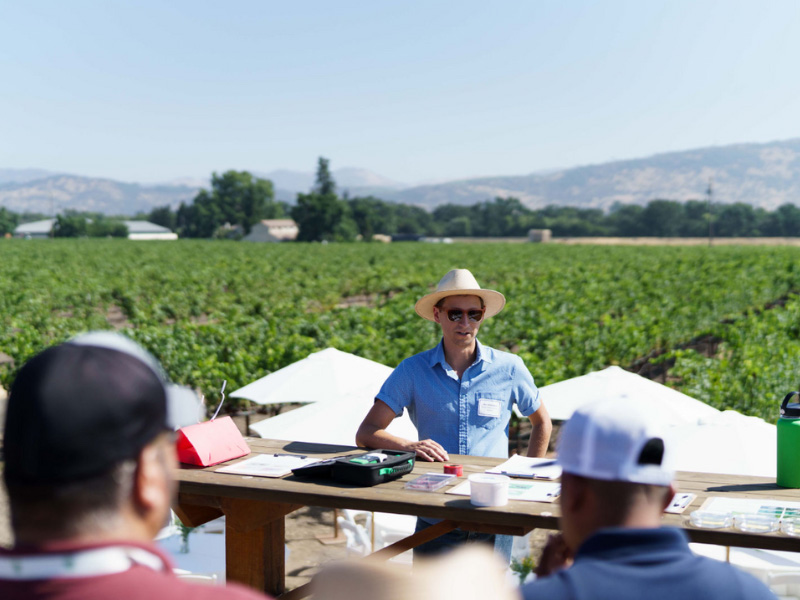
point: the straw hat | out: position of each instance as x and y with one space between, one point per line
460 282
468 573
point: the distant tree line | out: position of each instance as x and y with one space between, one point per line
71 223
508 217
237 200
75 224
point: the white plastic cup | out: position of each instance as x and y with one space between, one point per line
488 490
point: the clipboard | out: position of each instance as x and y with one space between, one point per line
531 468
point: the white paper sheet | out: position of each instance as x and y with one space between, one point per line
268 465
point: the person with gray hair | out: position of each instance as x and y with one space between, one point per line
89 450
616 482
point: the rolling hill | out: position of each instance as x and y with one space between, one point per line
763 175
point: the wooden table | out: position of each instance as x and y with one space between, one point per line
255 508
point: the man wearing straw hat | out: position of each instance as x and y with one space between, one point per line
458 394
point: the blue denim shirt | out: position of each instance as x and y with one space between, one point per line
468 415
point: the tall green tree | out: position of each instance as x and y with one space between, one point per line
696 216
625 220
736 220
322 215
162 215
69 226
662 218
324 182
787 218
368 215
235 198
8 221
100 226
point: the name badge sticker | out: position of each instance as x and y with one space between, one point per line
490 408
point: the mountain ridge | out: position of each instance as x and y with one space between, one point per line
765 175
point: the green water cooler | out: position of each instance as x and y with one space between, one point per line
789 442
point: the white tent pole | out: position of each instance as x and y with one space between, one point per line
372 530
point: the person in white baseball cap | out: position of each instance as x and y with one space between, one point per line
616 482
459 394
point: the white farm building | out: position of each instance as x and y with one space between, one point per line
137 230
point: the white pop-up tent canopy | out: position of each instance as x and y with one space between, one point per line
322 376
704 439
339 388
328 422
673 407
729 443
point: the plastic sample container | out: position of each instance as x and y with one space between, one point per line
488 490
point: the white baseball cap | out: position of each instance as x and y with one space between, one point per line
615 440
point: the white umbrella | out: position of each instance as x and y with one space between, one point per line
322 376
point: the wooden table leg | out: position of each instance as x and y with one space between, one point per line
255 537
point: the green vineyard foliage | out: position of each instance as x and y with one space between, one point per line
214 310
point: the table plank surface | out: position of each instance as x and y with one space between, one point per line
204 494
386 497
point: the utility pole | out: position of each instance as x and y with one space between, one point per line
52 211
708 210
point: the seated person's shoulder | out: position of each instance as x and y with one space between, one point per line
748 585
552 587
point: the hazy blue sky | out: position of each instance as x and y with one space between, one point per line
416 91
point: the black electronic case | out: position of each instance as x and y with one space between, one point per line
362 469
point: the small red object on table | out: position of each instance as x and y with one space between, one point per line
456 470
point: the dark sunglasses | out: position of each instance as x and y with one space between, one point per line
455 314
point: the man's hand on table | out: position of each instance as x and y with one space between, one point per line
429 450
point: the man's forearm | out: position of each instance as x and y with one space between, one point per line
540 438
380 438
371 437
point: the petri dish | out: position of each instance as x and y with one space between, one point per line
791 527
754 523
710 520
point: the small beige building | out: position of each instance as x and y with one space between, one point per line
273 230
540 236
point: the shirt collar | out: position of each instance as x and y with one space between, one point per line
622 542
437 356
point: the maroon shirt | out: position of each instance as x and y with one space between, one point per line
137 583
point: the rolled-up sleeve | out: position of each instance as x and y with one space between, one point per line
396 391
525 392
